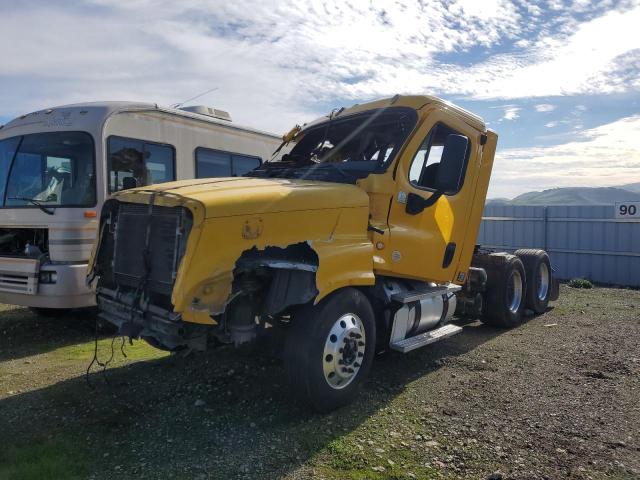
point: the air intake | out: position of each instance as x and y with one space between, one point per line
208 111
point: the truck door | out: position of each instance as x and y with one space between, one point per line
427 225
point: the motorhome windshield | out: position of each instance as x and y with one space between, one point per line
54 169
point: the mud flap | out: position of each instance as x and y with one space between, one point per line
555 289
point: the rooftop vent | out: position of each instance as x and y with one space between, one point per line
208 111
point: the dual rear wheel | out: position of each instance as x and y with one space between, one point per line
515 283
538 269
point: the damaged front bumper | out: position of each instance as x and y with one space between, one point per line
160 327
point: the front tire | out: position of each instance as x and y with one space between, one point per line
330 348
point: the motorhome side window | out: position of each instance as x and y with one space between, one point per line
425 165
216 163
135 163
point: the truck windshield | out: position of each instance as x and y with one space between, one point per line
345 149
54 169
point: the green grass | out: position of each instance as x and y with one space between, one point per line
56 459
342 458
140 350
580 283
343 455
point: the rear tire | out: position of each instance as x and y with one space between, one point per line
539 282
506 287
329 349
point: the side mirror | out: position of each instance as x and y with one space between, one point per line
451 170
416 204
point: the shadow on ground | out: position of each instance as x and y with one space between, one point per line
24 333
211 415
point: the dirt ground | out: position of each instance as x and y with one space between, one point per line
558 397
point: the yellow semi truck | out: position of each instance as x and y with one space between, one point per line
361 238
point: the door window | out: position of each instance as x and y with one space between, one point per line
426 163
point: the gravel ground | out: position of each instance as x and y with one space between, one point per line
558 397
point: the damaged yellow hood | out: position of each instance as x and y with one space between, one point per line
233 216
222 197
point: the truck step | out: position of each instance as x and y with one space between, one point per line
417 295
426 338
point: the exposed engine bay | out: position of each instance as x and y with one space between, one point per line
24 242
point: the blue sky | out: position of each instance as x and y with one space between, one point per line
558 80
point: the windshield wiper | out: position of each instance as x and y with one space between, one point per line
37 203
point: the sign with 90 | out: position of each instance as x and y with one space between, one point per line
628 210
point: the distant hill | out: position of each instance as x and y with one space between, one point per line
632 187
575 196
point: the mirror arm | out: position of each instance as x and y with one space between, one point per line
416 204
432 199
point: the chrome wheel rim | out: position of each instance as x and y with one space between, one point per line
543 281
514 292
344 351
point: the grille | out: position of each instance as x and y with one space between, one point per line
18 283
19 275
168 232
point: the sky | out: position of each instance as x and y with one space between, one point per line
558 80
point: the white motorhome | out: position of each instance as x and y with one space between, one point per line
58 165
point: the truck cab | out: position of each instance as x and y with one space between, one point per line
359 239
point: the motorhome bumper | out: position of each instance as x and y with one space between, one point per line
26 282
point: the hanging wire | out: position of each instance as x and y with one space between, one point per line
95 359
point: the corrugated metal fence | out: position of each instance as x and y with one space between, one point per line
583 242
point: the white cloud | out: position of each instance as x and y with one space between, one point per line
274 62
551 124
278 63
511 113
592 58
545 107
604 156
555 4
